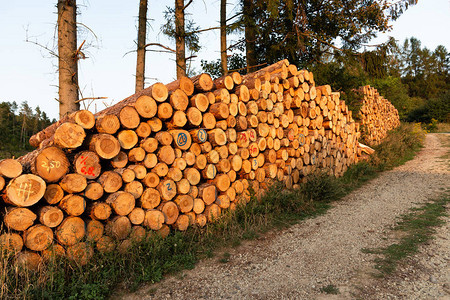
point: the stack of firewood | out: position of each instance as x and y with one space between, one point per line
170 156
377 115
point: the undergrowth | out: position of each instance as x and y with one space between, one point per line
155 257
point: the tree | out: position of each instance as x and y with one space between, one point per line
223 36
180 38
142 34
184 33
303 31
67 57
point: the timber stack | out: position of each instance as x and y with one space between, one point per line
377 116
169 157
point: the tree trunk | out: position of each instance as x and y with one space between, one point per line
223 36
250 35
142 32
67 57
180 39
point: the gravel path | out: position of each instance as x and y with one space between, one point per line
297 262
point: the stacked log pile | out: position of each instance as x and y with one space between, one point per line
169 157
377 116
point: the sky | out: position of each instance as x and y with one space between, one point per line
29 73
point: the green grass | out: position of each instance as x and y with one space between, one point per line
418 227
330 289
150 260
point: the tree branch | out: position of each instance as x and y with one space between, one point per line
160 45
189 3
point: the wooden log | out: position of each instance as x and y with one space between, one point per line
200 101
146 106
221 181
25 190
198 206
106 244
11 242
99 210
110 181
194 116
192 175
137 216
71 231
185 203
118 227
136 154
183 186
212 212
166 155
135 188
179 100
126 174
83 118
108 124
223 201
87 163
104 145
10 168
81 253
120 160
49 163
155 124
121 202
38 237
209 121
178 120
168 189
165 111
154 219
224 82
73 205
161 169
129 117
170 211
27 260
69 136
53 194
202 82
182 139
184 83
127 139
18 218
138 233
182 223
217 137
93 191
143 130
73 183
94 230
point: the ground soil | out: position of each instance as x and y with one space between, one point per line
298 262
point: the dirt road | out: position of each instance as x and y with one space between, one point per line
297 262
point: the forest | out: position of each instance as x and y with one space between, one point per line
17 124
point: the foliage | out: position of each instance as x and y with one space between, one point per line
235 62
399 146
17 124
304 31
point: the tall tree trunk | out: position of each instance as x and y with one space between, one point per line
223 36
250 35
67 57
180 39
142 32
